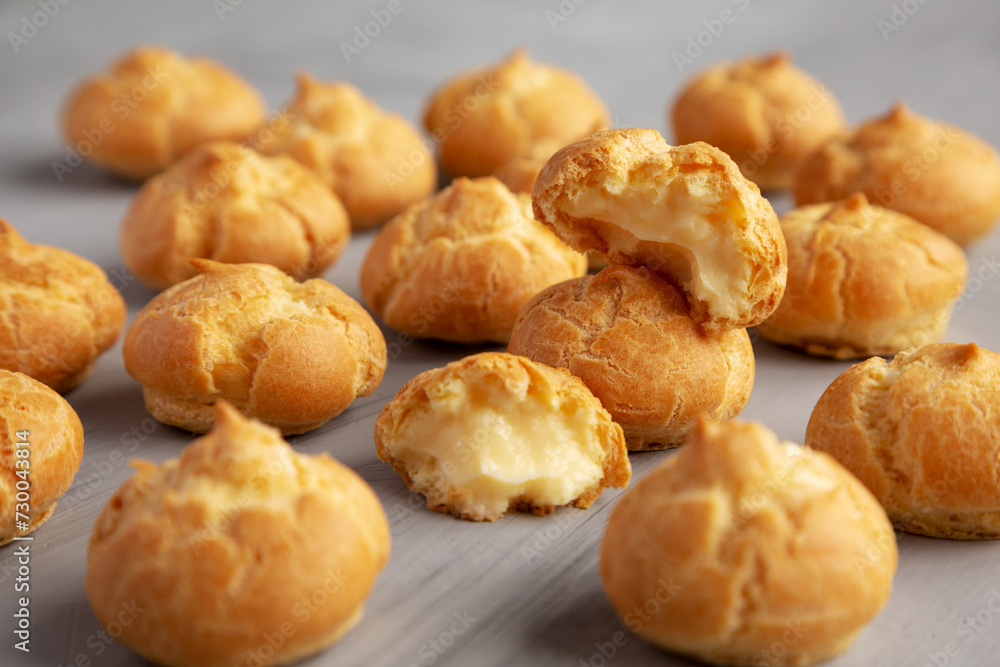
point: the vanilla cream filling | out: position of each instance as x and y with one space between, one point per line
481 447
699 241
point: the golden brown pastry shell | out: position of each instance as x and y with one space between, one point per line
627 334
32 412
922 432
153 106
58 311
754 551
934 172
460 265
864 280
203 559
293 355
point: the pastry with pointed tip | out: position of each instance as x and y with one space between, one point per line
864 280
684 212
215 550
922 432
58 312
374 161
227 202
626 333
293 355
485 118
740 537
934 172
764 112
155 105
52 446
459 266
494 433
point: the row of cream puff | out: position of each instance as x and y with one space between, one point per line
782 127
472 265
375 162
510 434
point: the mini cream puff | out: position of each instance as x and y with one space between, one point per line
740 537
765 112
936 173
293 355
922 433
216 550
684 212
155 105
494 433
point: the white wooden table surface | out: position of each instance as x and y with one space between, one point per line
523 590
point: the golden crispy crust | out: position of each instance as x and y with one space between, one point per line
936 173
153 107
459 266
626 333
864 280
58 312
923 433
291 354
677 210
238 540
741 539
500 376
765 112
226 202
375 162
55 445
484 118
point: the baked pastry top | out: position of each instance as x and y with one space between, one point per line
374 161
934 172
685 212
220 547
627 334
58 311
227 202
486 117
293 355
765 112
922 432
460 265
153 106
494 433
864 280
44 464
740 538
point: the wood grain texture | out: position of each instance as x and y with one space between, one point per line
523 590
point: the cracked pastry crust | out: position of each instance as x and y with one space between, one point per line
494 433
740 538
374 161
485 118
215 550
229 203
936 173
55 443
864 280
58 312
764 112
684 212
626 333
459 266
922 432
293 355
155 105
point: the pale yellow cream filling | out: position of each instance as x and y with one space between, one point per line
485 446
699 240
